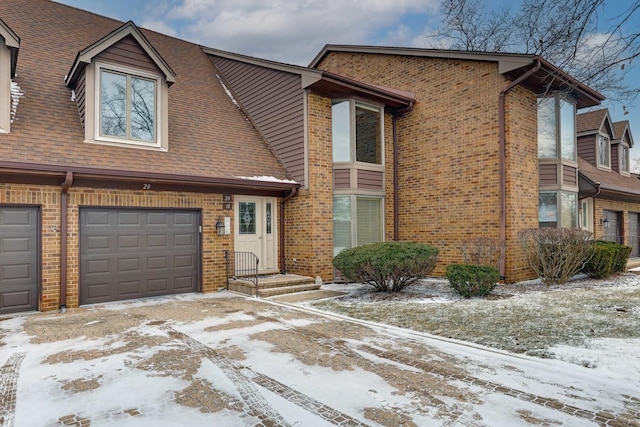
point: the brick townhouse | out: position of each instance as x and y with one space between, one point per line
131 160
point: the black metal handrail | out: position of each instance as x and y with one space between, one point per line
242 265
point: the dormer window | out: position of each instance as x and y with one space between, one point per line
128 107
604 152
120 84
624 159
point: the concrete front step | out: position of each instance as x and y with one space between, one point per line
289 289
277 284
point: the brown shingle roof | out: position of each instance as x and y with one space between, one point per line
610 181
590 121
208 135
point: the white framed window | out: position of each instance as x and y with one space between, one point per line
129 107
625 166
357 220
357 132
604 152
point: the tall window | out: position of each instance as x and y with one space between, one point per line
556 128
357 220
604 151
127 106
558 209
624 158
357 133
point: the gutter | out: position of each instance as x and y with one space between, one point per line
283 265
503 178
68 181
396 200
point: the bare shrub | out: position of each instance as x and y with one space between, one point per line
556 254
482 251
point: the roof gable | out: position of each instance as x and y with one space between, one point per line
129 29
594 122
12 42
623 132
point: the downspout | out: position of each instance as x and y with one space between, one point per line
68 181
283 266
396 197
503 177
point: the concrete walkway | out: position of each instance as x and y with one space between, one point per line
226 360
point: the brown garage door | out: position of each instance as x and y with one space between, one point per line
19 255
135 253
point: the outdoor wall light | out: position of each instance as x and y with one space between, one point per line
220 226
605 222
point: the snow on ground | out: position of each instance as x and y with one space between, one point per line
221 359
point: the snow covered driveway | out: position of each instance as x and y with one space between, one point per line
226 360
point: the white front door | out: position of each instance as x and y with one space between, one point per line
256 229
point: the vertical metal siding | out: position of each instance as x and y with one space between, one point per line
587 148
275 101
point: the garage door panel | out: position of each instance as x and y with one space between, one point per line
157 241
184 261
19 258
184 240
98 243
146 259
129 242
17 245
158 286
158 218
131 288
129 218
97 218
157 263
12 273
20 300
129 265
98 266
188 219
184 283
17 218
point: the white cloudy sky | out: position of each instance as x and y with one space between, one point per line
282 30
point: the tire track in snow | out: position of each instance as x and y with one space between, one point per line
8 388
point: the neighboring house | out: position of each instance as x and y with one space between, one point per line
130 160
609 191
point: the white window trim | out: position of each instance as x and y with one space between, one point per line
600 165
5 89
623 147
92 108
586 215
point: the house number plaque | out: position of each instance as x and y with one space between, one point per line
226 202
